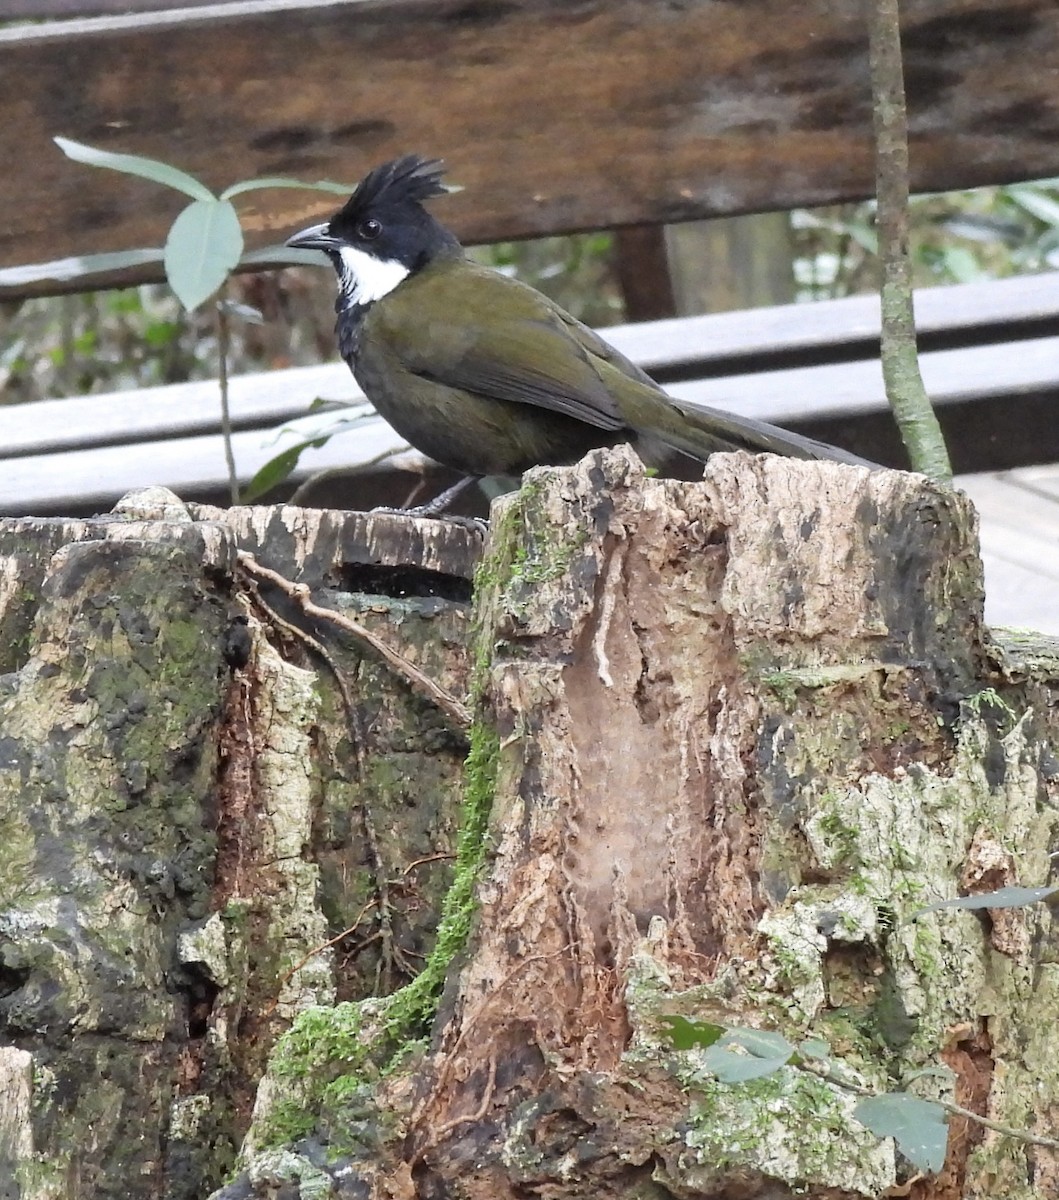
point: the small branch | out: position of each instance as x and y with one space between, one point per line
223 348
427 858
826 1072
905 392
418 1115
391 953
1022 1135
457 712
314 644
448 1126
289 975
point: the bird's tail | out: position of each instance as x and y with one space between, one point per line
701 431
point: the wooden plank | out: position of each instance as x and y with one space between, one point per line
1043 480
950 376
789 334
41 10
46 442
260 400
1017 596
1019 534
554 115
1029 520
681 351
77 480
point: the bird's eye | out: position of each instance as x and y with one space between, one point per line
370 229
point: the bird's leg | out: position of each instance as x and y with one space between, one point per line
437 506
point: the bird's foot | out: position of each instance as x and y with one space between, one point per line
477 524
435 508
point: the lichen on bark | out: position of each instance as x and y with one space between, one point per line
180 834
744 732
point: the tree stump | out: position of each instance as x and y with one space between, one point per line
732 738
189 820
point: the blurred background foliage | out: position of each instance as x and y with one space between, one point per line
138 337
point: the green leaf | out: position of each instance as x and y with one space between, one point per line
760 1042
79 267
315 431
814 1048
279 181
329 418
1006 897
273 472
685 1034
918 1126
203 246
133 164
738 1068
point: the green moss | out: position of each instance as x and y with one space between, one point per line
836 832
990 706
332 1054
524 552
324 1060
790 1126
823 676
785 686
413 1006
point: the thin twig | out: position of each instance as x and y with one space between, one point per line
223 347
827 1073
448 1126
427 858
314 644
314 952
419 1112
1023 1135
384 969
391 953
457 712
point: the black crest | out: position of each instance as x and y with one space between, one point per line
409 178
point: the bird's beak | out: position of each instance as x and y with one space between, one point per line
316 237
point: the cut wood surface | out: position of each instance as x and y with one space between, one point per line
553 116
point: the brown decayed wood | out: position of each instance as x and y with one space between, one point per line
554 116
643 762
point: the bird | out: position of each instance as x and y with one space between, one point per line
483 373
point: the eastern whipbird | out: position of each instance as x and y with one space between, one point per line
483 373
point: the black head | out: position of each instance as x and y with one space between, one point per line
383 234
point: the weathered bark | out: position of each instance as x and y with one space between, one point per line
741 734
177 838
731 734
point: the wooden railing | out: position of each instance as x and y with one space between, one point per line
555 115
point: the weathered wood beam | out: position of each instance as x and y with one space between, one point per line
41 10
554 115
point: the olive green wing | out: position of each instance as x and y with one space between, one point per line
484 332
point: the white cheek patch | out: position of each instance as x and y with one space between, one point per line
364 279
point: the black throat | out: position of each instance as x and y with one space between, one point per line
348 326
